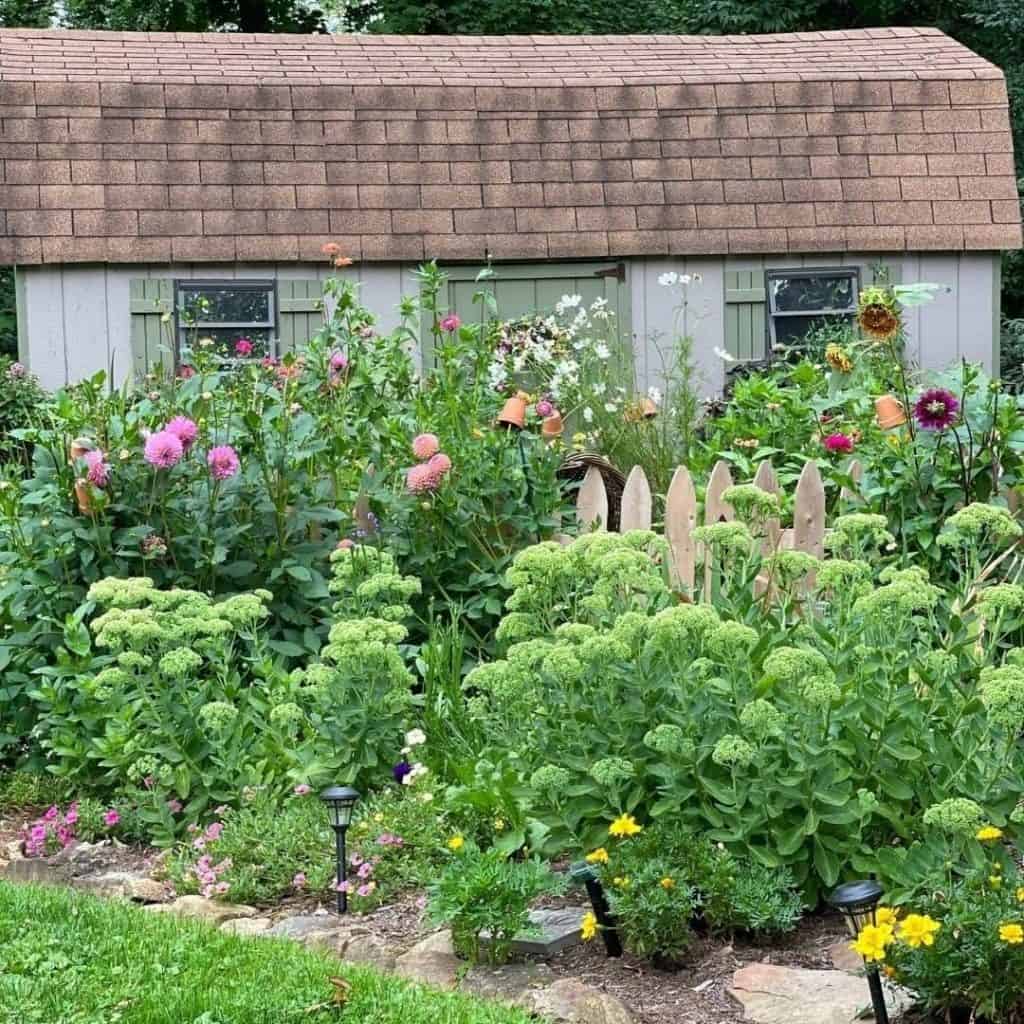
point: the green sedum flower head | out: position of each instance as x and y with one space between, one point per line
761 719
669 739
978 523
956 816
610 771
733 752
1002 692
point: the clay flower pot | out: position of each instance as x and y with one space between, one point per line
889 412
513 413
78 448
82 496
650 410
552 426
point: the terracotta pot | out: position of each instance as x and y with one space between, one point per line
650 410
78 448
82 496
552 426
513 413
641 409
889 412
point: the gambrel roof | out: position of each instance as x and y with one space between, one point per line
151 147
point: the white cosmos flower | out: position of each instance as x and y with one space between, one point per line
669 279
654 395
685 279
601 351
726 357
610 407
415 737
567 302
588 414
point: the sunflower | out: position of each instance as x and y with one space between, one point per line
878 321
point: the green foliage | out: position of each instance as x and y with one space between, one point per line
484 891
30 789
8 304
68 956
23 404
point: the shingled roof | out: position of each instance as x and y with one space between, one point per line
154 147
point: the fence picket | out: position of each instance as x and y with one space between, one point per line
716 510
856 471
680 519
766 479
809 515
592 501
636 508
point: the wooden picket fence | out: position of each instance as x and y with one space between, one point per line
682 512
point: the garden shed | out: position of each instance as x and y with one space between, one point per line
139 172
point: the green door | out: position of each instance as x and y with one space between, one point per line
524 288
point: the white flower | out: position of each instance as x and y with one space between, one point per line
602 351
609 407
588 414
598 305
685 280
417 771
415 737
723 355
654 395
669 279
567 302
425 798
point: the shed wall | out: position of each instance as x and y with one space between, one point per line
75 319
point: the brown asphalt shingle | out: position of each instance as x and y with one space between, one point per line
153 147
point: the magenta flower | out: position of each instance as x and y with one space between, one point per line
302 789
164 449
243 348
52 814
184 430
936 409
425 445
223 462
71 817
98 473
838 443
268 363
421 478
544 408
186 372
339 361
111 818
450 323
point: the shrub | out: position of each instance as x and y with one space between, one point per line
484 891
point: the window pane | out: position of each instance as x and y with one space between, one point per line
824 293
224 304
225 339
790 330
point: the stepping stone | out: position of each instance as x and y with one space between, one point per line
555 930
124 884
845 959
203 909
37 871
246 926
431 962
791 995
571 1002
510 983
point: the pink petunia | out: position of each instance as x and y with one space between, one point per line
366 889
302 789
98 473
223 462
184 430
243 348
174 806
299 881
164 449
72 816
111 818
345 886
213 831
450 322
365 870
425 445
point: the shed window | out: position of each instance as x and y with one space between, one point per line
227 312
800 299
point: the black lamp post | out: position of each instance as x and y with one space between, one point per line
586 874
340 800
857 902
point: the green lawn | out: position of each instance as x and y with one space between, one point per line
67 958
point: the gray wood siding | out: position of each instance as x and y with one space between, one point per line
75 320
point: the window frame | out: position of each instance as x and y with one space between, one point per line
267 285
771 313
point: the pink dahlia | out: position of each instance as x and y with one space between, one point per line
345 544
164 449
186 372
99 471
339 361
439 464
425 445
838 443
421 478
184 430
223 462
544 408
450 323
936 409
243 348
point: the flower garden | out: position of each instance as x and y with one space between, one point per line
241 581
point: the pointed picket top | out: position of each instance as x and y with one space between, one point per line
809 512
680 520
766 479
636 511
716 510
856 472
592 501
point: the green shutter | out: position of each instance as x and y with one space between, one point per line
745 314
152 323
301 312
520 289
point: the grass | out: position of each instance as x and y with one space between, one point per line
68 958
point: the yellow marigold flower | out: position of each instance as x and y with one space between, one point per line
623 826
1020 894
872 940
378 817
919 930
598 856
988 833
886 915
620 882
588 928
667 883
456 843
1012 934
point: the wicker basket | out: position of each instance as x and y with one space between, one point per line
574 469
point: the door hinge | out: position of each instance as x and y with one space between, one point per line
618 272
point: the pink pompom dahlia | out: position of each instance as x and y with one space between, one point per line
421 479
98 473
450 323
243 348
424 446
184 430
223 462
439 464
164 449
339 361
